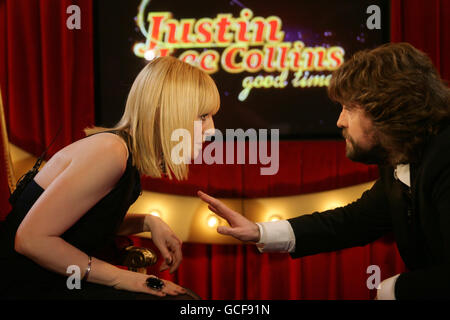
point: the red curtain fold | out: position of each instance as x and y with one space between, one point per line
46 76
426 25
47 72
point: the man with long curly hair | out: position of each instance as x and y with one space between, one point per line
395 113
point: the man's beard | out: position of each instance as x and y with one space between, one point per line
377 154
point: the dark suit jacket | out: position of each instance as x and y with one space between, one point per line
421 226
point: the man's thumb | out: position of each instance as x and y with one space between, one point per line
227 231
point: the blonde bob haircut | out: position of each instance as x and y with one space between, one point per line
167 94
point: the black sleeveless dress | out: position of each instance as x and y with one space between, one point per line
21 278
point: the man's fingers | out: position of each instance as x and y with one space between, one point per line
208 199
211 201
213 209
217 206
219 213
203 196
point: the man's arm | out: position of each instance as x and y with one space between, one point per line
364 220
433 282
356 224
276 236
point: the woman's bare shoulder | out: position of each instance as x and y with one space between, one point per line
107 149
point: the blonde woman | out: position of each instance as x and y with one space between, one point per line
78 200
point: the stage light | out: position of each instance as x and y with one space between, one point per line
275 217
212 221
332 204
149 55
155 213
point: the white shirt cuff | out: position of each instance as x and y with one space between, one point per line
386 289
276 236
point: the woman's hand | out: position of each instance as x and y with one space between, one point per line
136 282
240 227
166 241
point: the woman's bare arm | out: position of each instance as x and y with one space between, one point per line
90 175
133 223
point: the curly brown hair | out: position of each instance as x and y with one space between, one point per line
401 91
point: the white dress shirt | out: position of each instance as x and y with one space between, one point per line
278 236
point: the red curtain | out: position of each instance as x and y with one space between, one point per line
46 76
426 25
46 72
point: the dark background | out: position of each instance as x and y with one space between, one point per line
299 113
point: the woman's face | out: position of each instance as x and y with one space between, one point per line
207 123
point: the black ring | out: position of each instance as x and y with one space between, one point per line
155 283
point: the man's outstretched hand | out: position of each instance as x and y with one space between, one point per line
240 227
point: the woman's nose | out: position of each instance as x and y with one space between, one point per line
208 128
209 125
